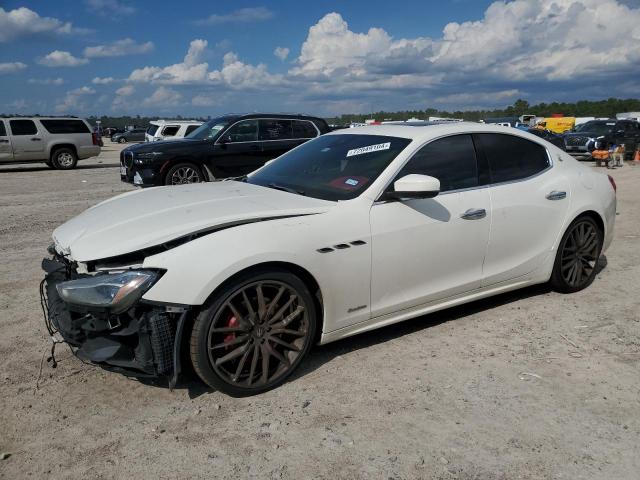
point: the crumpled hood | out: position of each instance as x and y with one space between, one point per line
146 218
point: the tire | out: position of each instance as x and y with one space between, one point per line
183 173
576 261
64 159
280 328
122 140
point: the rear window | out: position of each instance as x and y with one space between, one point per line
512 158
275 129
170 131
190 129
23 127
303 129
65 126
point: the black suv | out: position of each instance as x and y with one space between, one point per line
581 141
228 146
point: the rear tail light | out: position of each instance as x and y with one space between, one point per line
94 138
613 183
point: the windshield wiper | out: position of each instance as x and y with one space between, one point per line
275 186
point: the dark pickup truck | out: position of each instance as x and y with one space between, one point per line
227 146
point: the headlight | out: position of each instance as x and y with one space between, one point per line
146 156
114 292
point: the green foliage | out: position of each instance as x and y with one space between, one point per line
583 108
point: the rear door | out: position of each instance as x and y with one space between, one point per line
276 137
6 150
27 140
529 203
238 151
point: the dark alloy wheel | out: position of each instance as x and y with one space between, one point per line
577 257
183 173
254 333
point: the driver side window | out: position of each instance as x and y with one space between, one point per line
245 131
452 160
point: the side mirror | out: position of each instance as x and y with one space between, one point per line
414 186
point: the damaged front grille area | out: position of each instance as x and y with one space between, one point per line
140 342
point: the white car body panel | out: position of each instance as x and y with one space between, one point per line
410 263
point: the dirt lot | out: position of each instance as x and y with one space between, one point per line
530 385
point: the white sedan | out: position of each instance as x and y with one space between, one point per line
351 231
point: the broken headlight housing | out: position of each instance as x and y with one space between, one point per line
115 292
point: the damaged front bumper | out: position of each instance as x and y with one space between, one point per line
143 341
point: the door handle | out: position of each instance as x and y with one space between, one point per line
474 214
556 195
35 139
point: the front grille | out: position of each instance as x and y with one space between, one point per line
576 141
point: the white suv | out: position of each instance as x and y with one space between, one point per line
57 141
163 129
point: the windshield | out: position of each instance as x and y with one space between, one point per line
210 129
599 128
152 129
332 167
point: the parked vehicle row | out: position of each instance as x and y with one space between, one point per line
351 231
223 147
133 135
171 129
582 140
57 141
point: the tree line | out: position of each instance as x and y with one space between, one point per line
583 108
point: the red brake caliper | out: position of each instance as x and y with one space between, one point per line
231 323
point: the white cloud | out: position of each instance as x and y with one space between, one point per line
46 81
189 71
118 48
110 7
11 67
103 80
59 58
242 15
23 22
74 100
126 91
281 52
233 74
163 97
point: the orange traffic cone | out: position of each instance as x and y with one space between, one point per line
636 157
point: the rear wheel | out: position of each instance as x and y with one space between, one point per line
577 256
183 173
64 159
122 140
253 334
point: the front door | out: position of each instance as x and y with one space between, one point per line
6 150
238 151
529 201
27 141
429 249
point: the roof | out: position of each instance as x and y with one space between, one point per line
273 115
174 122
430 131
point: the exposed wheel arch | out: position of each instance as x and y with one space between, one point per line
595 216
58 146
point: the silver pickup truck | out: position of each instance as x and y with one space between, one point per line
57 141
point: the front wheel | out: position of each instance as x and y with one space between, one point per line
122 140
183 173
64 159
577 256
253 334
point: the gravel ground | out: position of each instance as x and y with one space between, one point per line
531 384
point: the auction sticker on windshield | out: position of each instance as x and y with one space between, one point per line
369 149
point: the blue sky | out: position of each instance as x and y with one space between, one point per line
117 57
